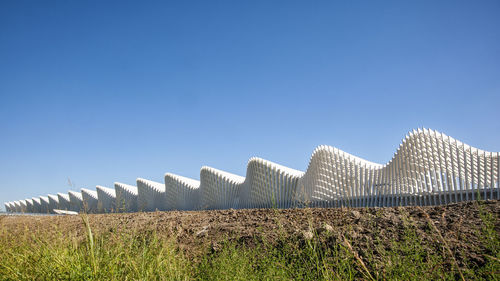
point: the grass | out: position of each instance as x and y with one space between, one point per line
114 255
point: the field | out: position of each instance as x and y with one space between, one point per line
453 242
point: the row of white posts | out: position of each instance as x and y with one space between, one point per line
429 168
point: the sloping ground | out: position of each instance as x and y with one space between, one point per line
459 224
368 243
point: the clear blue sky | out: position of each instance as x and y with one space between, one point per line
104 91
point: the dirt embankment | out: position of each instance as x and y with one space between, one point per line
460 225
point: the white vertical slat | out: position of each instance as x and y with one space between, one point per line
473 161
433 169
491 166
443 168
484 173
497 185
412 181
416 187
359 184
426 169
322 184
453 163
332 187
463 171
350 179
400 179
337 185
492 174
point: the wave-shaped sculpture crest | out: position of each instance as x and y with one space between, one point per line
428 168
218 189
106 198
37 207
89 200
22 204
7 207
181 192
17 206
64 201
126 197
75 201
44 202
29 206
53 203
151 195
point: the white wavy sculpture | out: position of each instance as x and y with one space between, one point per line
22 203
7 207
126 197
429 168
89 200
44 204
75 201
29 206
17 207
181 193
37 207
106 198
218 189
266 185
53 203
150 195
64 203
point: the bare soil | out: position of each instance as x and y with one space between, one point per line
459 226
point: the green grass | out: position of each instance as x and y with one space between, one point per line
117 255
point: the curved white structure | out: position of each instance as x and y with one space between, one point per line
22 203
269 185
53 203
64 203
106 198
89 200
7 207
218 189
75 201
29 206
126 197
150 195
181 193
17 206
44 204
428 168
266 185
37 207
